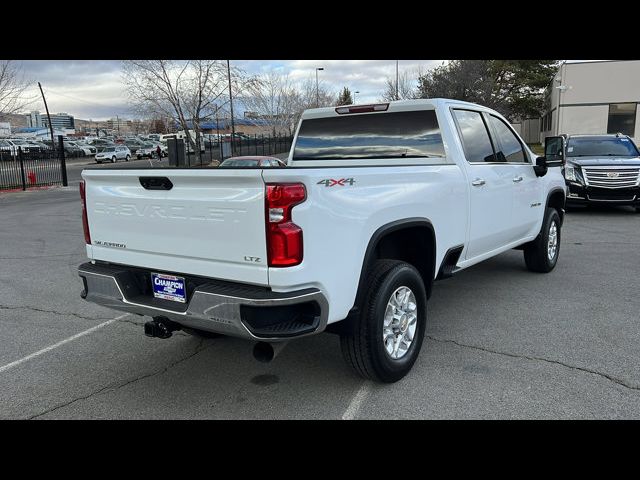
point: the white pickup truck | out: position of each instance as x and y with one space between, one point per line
376 203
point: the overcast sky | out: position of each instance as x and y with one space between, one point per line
92 89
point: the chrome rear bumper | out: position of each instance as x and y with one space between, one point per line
237 310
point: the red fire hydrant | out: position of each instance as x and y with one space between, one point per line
32 177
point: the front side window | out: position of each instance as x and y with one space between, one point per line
475 137
368 136
509 149
622 118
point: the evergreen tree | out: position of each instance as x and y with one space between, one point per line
344 98
515 88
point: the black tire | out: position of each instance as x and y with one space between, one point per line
361 342
139 157
536 252
637 209
201 333
98 161
114 159
127 158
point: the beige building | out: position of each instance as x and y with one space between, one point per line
594 97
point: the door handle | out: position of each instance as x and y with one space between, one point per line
517 179
478 182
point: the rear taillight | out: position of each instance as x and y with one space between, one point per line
85 221
284 238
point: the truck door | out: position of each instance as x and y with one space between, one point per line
527 187
490 184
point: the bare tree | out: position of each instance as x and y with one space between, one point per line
187 90
407 87
272 98
12 88
306 97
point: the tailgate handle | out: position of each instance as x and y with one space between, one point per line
156 183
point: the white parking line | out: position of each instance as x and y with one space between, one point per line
356 402
59 344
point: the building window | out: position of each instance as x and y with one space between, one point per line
622 118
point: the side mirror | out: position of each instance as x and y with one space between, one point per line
541 167
554 151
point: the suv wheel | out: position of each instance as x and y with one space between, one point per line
541 254
114 159
383 343
127 158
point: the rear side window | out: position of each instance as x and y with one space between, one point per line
373 135
475 137
510 149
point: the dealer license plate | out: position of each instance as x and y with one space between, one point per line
168 287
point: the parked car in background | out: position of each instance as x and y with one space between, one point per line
252 161
150 150
113 154
7 150
77 147
181 135
600 169
101 144
71 149
36 146
16 143
88 149
133 145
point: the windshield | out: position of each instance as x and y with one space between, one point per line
374 135
601 147
109 149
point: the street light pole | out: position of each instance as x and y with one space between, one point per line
233 126
218 134
397 78
354 96
53 142
317 91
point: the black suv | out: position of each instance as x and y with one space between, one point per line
601 169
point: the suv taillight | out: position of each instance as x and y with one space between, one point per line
85 221
284 238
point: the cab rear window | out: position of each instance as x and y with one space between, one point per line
365 136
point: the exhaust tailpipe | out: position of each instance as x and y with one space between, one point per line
160 327
265 352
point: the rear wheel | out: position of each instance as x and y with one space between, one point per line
541 254
98 161
114 159
637 209
127 158
384 342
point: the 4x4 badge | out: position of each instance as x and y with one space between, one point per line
331 182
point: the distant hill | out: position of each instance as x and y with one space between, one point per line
16 120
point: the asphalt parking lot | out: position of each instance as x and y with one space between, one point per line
501 342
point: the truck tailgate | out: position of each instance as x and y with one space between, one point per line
209 223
